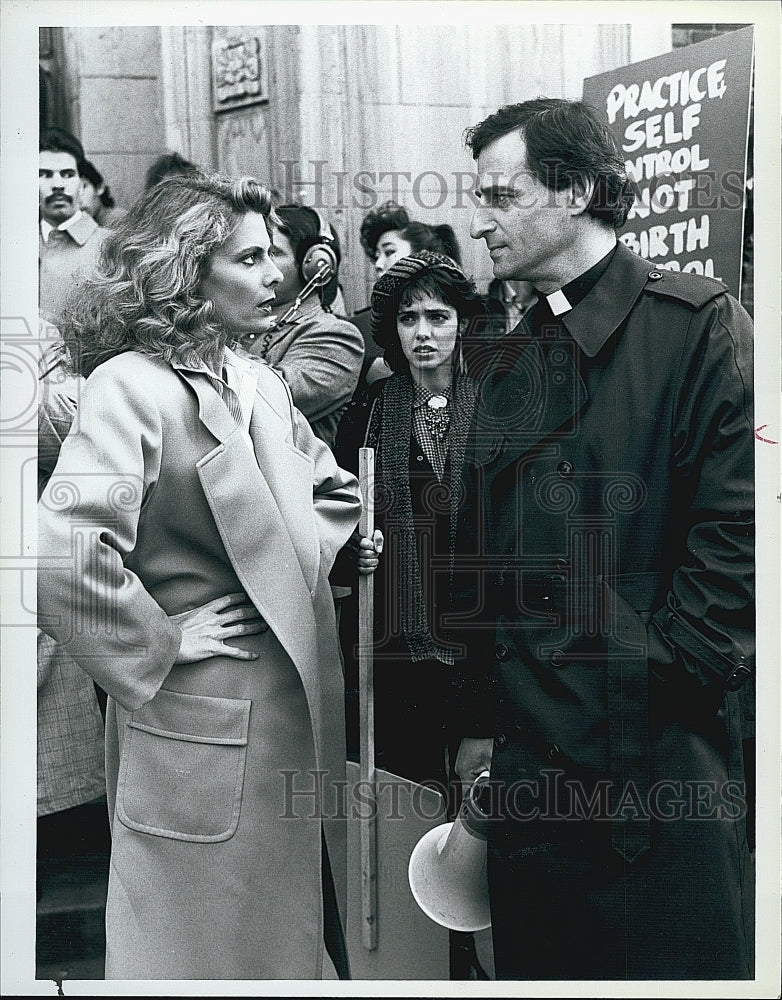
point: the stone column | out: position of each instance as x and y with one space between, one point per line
187 93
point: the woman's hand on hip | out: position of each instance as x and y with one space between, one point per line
205 630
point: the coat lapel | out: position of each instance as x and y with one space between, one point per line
285 470
531 396
531 393
212 412
252 523
609 302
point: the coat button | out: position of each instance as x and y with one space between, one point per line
553 751
557 658
655 275
419 458
565 469
561 564
501 741
502 652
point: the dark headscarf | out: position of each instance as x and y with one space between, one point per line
389 290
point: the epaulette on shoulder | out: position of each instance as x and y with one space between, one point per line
693 289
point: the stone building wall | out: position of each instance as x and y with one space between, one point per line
383 108
112 79
356 113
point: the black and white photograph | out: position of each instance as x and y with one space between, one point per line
391 498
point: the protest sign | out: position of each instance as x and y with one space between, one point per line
681 121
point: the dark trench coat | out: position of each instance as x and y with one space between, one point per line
611 507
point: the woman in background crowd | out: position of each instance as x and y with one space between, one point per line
412 238
417 421
388 234
204 517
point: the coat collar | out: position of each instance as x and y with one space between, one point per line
603 310
531 398
212 411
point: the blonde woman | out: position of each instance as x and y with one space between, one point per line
186 536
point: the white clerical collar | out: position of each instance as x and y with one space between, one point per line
47 227
558 302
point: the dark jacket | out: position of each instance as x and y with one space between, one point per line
430 518
320 357
613 503
411 699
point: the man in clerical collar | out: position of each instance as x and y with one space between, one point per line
69 239
609 624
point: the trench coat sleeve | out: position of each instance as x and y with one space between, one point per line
322 365
336 497
88 601
709 615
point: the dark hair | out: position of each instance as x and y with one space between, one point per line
301 225
57 140
409 279
381 220
438 239
91 173
566 145
167 164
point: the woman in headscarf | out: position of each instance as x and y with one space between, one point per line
387 234
417 421
186 537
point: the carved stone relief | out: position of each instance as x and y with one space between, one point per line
239 67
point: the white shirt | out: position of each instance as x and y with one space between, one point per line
47 227
241 376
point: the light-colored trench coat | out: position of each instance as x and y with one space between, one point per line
157 505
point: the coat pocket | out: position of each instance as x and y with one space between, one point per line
182 768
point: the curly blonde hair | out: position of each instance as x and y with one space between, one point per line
144 295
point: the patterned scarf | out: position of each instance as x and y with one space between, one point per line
389 431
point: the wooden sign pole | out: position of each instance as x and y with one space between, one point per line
366 711
389 935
